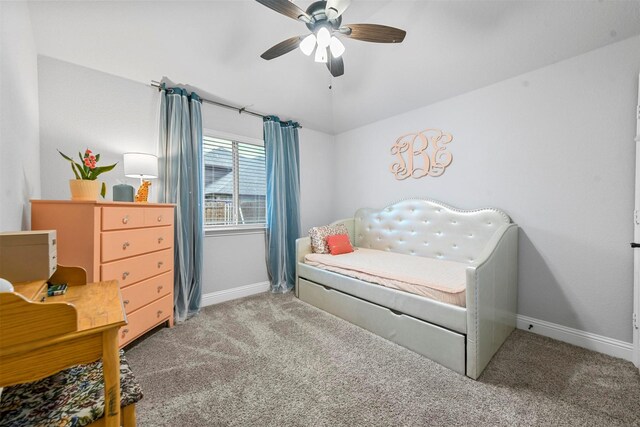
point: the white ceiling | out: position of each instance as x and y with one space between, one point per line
451 47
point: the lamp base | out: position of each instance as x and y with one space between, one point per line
142 194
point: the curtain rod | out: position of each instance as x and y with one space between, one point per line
240 110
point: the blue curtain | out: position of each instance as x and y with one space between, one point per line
181 165
283 201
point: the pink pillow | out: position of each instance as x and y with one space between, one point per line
339 244
319 236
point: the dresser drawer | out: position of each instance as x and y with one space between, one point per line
439 344
142 293
144 319
158 216
119 218
127 243
132 270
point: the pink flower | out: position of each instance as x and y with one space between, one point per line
87 153
87 162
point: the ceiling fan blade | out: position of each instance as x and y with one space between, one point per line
336 8
335 65
281 48
287 8
373 33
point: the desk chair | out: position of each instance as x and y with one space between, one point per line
71 397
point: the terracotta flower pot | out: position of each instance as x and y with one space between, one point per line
83 189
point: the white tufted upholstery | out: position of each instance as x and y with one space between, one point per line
428 228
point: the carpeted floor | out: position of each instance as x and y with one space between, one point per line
272 360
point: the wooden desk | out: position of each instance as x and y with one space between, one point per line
38 339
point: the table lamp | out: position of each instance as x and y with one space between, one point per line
143 166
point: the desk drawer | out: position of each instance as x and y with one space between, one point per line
158 216
132 270
144 319
119 218
127 243
441 345
142 293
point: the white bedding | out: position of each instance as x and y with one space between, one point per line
440 280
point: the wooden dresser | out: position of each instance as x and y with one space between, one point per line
128 242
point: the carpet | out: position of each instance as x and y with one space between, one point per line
273 360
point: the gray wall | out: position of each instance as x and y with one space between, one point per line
81 107
19 138
555 149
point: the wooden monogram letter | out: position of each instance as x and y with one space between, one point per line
421 154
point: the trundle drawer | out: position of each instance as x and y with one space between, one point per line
132 270
139 294
140 321
438 344
127 243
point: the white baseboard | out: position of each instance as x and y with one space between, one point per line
599 343
234 293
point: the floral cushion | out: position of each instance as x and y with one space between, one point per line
319 236
73 397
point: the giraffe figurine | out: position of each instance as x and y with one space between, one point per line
143 192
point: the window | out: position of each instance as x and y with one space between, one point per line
235 183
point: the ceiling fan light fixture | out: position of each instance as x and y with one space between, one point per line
323 19
337 48
321 55
323 37
307 44
331 12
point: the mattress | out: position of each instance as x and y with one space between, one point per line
441 280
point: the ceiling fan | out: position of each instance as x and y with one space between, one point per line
324 20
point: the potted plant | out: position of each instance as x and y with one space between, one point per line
85 186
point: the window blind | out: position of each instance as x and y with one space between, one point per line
235 183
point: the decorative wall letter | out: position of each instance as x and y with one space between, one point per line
421 154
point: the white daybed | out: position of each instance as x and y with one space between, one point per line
461 338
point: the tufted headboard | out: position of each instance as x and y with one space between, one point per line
428 228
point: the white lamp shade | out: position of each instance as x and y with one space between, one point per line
307 44
321 55
5 286
323 37
337 48
140 165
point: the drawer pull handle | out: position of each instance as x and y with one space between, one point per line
159 288
160 264
124 275
125 332
125 245
125 302
159 218
159 313
125 219
160 239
